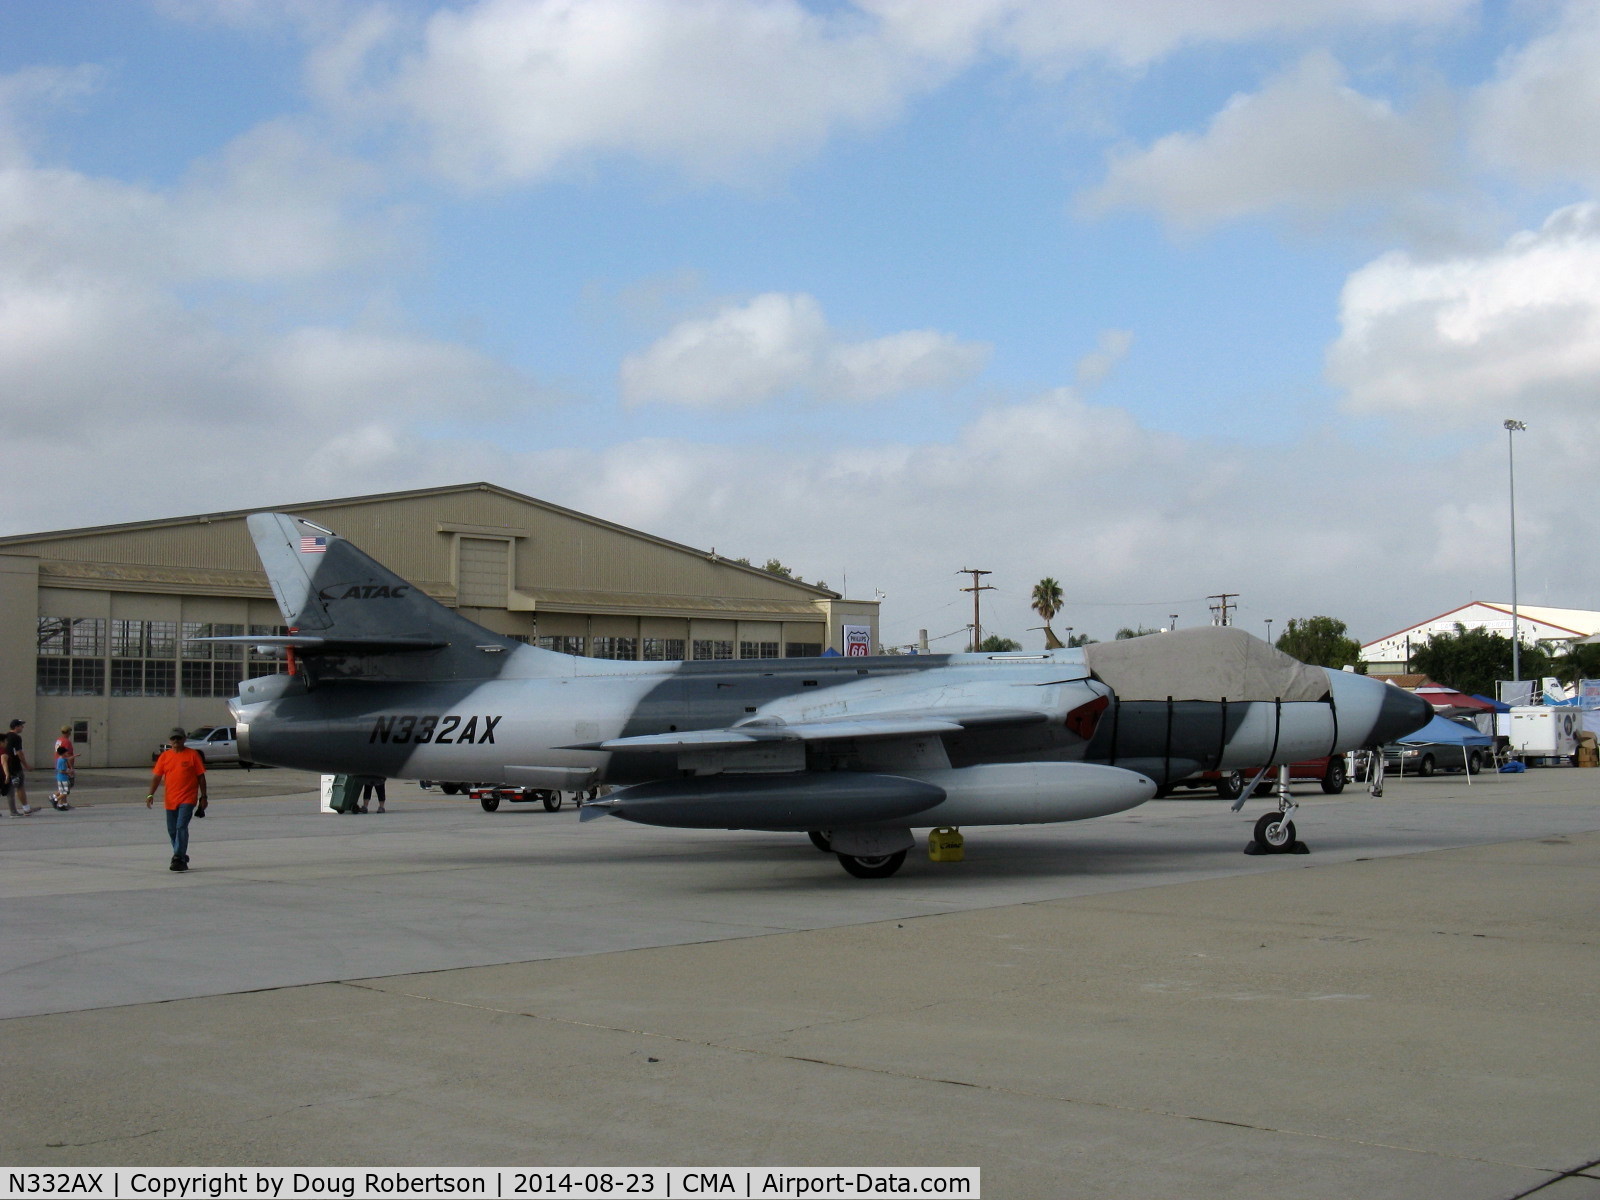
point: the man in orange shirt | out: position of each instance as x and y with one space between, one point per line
184 772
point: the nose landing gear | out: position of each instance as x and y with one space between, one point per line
1274 831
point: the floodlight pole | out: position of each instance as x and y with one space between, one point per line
1512 428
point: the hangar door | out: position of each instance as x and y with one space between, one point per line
483 572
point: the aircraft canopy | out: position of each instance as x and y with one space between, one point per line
1204 663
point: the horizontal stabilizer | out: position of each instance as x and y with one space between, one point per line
332 645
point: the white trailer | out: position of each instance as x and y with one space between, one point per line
1540 732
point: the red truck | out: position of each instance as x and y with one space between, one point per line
1331 773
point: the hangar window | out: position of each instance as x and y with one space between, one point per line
141 658
196 648
802 649
71 656
212 678
663 649
161 639
562 645
713 649
615 647
758 649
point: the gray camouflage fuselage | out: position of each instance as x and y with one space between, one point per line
393 684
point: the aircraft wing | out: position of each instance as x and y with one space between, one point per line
824 729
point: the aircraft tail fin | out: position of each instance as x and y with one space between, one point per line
343 606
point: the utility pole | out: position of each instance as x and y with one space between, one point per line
1219 610
975 589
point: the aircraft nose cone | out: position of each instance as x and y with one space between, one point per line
1402 712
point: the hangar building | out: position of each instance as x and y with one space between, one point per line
99 626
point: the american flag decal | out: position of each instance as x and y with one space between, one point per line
313 545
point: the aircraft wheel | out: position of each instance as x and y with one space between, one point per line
450 789
490 803
1425 768
877 866
552 801
1230 784
819 839
1273 832
1334 780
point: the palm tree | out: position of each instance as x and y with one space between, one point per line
1047 603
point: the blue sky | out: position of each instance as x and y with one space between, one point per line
1162 300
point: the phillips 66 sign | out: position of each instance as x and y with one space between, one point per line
857 641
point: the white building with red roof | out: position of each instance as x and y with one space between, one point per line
1555 628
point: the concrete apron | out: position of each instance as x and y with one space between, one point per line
1418 1024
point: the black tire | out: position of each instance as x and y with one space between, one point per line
1273 832
490 803
1333 780
877 866
819 839
1230 784
552 801
1425 767
1474 763
450 789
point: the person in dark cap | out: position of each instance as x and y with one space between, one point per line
184 772
16 768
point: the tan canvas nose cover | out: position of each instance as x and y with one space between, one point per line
1204 663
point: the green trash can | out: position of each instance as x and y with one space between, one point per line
346 793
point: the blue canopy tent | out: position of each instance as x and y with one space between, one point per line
1443 732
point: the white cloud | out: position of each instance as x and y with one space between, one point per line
1131 35
106 360
509 90
1538 117
777 345
1305 142
1136 524
1503 333
1111 348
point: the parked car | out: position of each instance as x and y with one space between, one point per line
1329 772
1424 758
216 742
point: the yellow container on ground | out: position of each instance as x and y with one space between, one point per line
946 845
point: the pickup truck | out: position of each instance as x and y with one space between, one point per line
216 742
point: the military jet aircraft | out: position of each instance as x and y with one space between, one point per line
854 751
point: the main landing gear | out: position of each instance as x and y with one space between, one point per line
865 853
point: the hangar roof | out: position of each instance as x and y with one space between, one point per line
563 559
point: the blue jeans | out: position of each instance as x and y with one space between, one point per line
178 828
